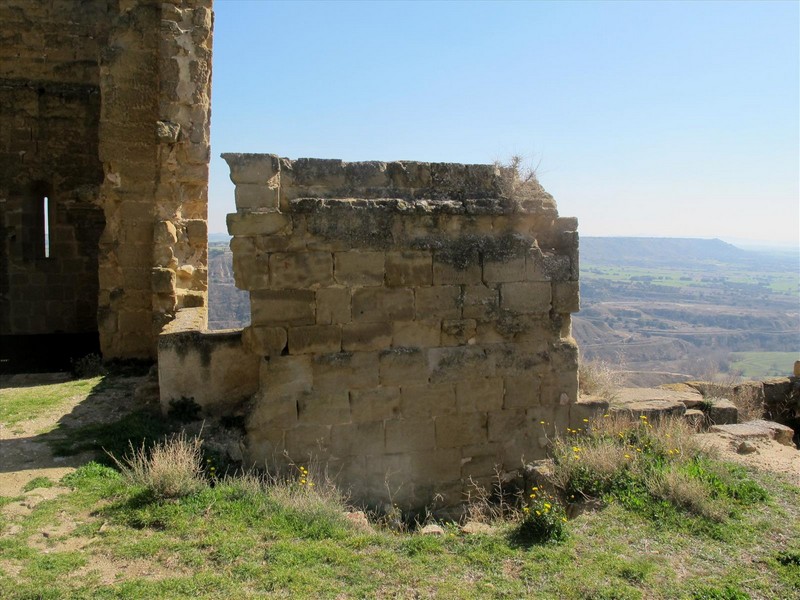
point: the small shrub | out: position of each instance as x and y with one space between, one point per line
789 558
184 410
543 519
88 366
598 378
171 469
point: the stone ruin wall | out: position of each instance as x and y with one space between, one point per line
104 110
413 321
49 122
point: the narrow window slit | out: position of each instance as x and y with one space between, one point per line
46 227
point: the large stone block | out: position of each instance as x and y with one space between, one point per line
459 363
251 196
377 404
300 270
461 430
481 302
404 435
271 413
260 223
315 339
382 304
357 439
427 400
285 375
479 395
522 391
456 270
360 337
422 334
164 281
408 268
566 297
333 306
359 268
345 371
252 168
308 442
323 409
403 366
282 307
499 271
264 341
526 297
438 302
458 332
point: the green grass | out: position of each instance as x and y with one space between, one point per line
24 403
758 365
240 538
236 541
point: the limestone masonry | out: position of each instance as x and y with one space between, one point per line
410 322
413 320
104 150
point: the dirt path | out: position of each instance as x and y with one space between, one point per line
25 451
765 454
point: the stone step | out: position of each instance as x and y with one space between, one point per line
686 402
758 429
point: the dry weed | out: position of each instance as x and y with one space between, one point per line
171 469
685 491
599 378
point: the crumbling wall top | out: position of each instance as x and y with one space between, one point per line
311 184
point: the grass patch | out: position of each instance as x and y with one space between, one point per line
37 483
255 536
656 469
25 403
258 536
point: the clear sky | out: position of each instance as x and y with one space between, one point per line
677 119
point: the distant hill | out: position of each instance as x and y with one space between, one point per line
662 251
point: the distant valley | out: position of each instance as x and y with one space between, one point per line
660 309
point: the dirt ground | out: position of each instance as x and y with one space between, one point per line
768 454
25 451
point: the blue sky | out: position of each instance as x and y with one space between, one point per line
648 118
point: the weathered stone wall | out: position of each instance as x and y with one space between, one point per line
413 319
104 111
49 111
213 369
154 144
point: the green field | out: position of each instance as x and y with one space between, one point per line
774 282
756 365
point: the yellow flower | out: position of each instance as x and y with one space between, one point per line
606 416
586 420
547 505
541 422
576 449
538 513
627 456
643 417
564 519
